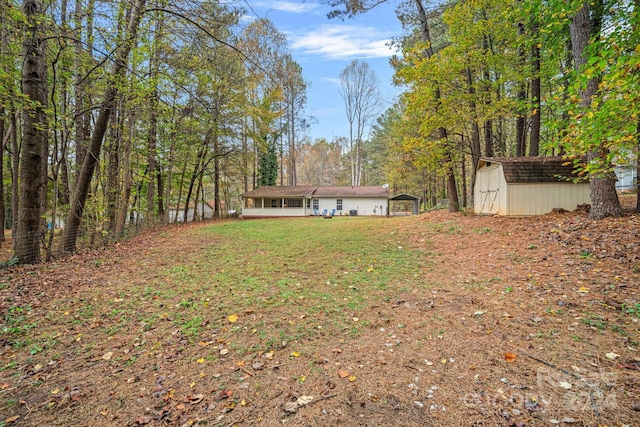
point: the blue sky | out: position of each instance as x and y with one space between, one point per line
324 47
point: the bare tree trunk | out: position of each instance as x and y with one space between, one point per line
160 186
452 189
536 94
464 183
638 167
152 138
169 181
81 143
245 159
2 143
604 199
85 175
521 96
113 169
15 171
180 187
217 212
475 128
127 181
34 140
194 176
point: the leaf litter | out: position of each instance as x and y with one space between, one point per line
538 325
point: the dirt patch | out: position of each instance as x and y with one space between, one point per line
522 321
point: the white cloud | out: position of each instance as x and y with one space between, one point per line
342 42
288 6
331 80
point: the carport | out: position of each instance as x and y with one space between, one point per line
403 201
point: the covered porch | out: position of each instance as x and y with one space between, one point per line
278 202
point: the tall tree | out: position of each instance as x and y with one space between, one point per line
359 90
585 28
268 164
452 188
34 140
294 93
85 175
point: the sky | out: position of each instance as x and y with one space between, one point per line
324 47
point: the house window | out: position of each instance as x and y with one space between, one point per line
339 204
293 203
316 204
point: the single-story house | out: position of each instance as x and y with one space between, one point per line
204 211
525 186
305 200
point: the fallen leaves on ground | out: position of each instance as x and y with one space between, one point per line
561 289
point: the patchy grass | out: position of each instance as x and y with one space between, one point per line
402 321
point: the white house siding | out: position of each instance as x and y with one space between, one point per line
490 196
275 212
542 198
365 206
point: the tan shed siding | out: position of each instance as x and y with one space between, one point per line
542 198
489 192
504 192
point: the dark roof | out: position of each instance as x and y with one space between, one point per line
352 191
310 190
284 191
404 196
534 169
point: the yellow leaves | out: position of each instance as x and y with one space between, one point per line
201 360
352 378
295 354
232 318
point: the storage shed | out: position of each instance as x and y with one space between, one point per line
526 186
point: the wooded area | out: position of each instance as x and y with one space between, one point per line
505 78
115 116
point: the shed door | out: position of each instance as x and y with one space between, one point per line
489 189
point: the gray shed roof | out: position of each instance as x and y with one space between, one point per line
519 170
404 196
